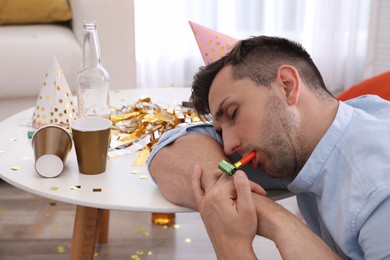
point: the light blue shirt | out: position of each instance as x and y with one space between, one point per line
343 191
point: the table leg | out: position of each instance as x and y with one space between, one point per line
104 226
85 231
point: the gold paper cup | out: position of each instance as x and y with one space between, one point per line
91 136
51 145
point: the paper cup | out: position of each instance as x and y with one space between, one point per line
51 145
91 136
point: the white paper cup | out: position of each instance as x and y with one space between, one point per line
91 136
51 145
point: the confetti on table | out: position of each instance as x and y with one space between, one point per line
25 158
13 139
97 190
139 252
53 202
96 254
143 177
176 226
54 189
135 257
15 168
60 249
2 151
47 215
76 187
4 212
55 228
187 240
135 172
146 233
73 214
149 253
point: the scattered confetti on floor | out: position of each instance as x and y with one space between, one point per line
60 249
54 189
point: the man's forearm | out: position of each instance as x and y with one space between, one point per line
174 164
292 237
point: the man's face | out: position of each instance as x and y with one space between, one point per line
241 111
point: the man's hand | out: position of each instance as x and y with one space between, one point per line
228 212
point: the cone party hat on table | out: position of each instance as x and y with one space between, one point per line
212 45
55 104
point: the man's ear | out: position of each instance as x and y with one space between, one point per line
288 76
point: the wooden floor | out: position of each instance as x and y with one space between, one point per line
32 228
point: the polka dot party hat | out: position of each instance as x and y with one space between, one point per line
55 103
212 45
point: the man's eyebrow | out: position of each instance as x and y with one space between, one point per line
219 112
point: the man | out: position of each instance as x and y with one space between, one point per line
267 96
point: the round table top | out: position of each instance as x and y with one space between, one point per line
116 189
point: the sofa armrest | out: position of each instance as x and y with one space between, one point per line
115 20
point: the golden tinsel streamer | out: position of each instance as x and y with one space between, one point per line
144 122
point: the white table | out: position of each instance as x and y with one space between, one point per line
115 189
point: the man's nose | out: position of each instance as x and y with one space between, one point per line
231 142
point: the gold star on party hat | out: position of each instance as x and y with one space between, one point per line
212 44
55 104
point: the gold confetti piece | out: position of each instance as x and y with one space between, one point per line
15 168
47 215
26 158
4 212
139 230
97 190
135 172
150 253
60 249
135 257
176 226
76 187
140 252
55 228
96 254
54 189
187 240
146 233
13 139
73 214
143 177
53 202
2 151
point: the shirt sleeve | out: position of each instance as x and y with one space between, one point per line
374 235
257 176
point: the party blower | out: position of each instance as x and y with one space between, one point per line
230 169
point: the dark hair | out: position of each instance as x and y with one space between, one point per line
264 55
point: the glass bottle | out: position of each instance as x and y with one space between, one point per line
93 81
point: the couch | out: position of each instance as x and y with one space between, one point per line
28 44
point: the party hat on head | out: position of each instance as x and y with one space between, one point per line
212 45
55 104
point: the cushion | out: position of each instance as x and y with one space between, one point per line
378 85
26 53
34 11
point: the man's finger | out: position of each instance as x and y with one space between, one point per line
244 193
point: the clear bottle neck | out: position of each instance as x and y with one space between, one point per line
91 49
